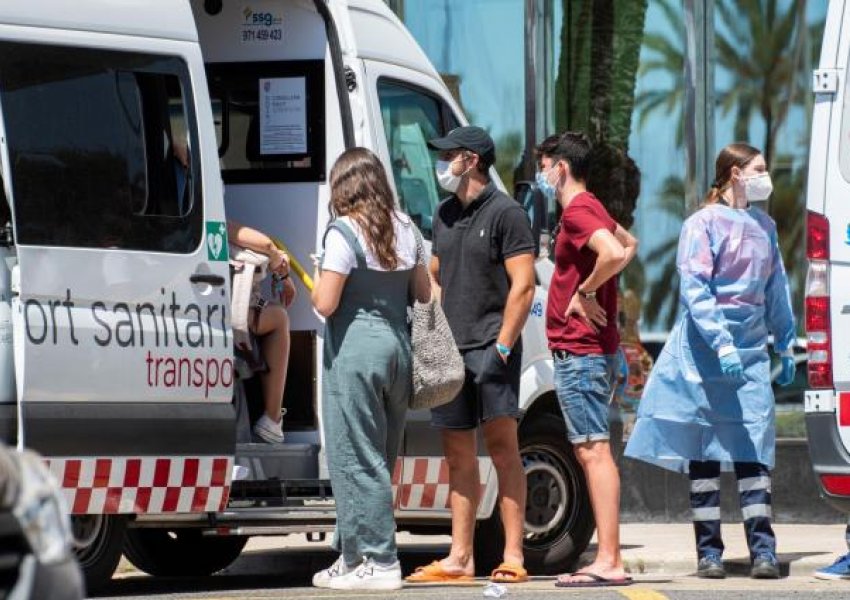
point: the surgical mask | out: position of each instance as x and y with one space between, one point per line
448 180
758 187
542 179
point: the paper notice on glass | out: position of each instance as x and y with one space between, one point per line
283 116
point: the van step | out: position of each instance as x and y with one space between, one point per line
290 494
270 529
278 461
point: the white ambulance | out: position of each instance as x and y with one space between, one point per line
828 250
116 354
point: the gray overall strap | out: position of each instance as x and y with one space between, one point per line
351 238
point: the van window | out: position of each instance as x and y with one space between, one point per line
270 120
411 117
100 148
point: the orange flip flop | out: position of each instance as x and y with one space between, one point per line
509 573
434 573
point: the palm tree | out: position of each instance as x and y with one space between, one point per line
760 48
600 52
663 301
667 56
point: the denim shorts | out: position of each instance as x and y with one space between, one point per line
491 390
585 387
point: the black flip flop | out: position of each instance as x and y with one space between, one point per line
595 581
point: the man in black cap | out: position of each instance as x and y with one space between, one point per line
483 261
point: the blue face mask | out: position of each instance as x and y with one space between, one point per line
542 179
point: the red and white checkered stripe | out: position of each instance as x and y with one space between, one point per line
423 483
146 484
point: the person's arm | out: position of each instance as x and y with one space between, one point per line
330 276
610 259
434 271
327 290
629 243
695 263
421 284
779 313
520 270
248 237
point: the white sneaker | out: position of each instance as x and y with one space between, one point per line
268 430
369 576
338 569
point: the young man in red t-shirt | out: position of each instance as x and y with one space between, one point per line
581 324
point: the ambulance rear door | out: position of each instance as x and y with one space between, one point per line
119 288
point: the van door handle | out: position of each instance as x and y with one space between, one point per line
209 278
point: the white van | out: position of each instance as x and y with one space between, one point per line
116 355
828 250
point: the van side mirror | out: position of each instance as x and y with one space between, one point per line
533 202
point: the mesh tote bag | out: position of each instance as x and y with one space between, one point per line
438 370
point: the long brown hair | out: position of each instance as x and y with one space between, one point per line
360 190
737 154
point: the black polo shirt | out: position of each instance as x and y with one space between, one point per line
472 244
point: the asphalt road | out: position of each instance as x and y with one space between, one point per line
286 573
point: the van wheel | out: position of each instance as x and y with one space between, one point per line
180 552
558 515
97 546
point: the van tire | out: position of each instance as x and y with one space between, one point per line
97 545
562 530
180 552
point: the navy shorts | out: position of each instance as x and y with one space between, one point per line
585 387
491 390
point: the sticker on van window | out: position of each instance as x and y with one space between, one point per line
216 240
262 23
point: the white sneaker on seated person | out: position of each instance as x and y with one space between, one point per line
269 431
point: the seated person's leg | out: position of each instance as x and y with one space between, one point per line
273 330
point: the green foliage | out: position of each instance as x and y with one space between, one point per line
508 151
600 52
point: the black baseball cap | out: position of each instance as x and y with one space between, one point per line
469 138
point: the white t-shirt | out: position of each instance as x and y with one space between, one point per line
339 256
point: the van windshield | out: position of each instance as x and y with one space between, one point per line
269 119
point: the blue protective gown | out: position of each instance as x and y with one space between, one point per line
733 291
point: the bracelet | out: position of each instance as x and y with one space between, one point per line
503 350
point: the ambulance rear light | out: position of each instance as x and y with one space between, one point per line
817 236
818 326
837 485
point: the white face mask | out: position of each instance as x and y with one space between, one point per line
758 187
448 180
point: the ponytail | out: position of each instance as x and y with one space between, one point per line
737 154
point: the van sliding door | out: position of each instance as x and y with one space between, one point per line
120 308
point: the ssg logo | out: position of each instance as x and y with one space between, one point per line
260 19
847 241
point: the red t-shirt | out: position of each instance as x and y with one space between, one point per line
574 262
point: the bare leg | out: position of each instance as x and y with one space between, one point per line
464 488
603 480
273 330
500 435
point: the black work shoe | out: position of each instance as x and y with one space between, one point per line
765 566
710 566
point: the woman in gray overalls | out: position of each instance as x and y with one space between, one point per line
371 265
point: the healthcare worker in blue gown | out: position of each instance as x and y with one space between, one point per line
708 405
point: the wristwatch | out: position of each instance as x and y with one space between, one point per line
587 295
503 350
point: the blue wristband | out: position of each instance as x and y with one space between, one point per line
503 350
